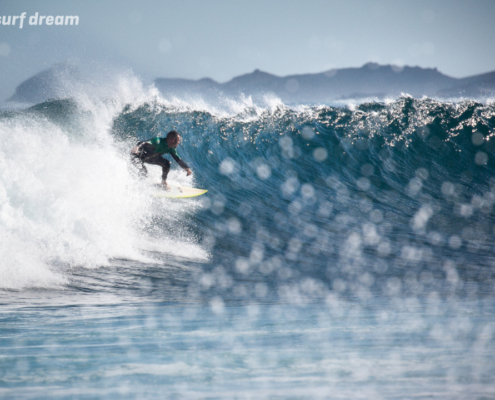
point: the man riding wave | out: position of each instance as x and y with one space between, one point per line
151 151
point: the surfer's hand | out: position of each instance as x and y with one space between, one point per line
188 171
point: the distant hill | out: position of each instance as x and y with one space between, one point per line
478 86
51 83
372 81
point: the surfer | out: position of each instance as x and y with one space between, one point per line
151 150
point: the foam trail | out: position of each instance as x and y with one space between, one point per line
62 203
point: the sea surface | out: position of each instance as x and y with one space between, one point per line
342 251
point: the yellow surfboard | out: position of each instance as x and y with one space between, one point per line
178 192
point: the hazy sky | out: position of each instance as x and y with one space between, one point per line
225 38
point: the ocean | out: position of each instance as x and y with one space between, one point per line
341 251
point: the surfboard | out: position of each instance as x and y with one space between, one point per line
178 192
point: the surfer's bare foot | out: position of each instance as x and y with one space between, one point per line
165 185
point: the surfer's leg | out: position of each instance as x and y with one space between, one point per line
138 157
163 162
165 169
138 163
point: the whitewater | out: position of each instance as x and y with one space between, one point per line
342 251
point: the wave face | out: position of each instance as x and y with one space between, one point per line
378 197
303 201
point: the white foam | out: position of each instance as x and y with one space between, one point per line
67 197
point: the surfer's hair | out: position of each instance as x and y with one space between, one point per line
173 134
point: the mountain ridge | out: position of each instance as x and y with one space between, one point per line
371 81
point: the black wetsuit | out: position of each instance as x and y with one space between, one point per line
150 152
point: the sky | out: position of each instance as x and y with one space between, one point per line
222 39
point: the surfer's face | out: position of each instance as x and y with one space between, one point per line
173 141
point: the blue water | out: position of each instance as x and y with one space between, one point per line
340 252
408 350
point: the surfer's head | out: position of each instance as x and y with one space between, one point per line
173 139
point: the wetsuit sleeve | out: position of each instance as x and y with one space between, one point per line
179 161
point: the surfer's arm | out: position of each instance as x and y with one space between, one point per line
182 164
